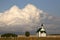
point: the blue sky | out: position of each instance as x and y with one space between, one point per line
50 6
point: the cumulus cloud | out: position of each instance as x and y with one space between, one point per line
28 18
28 14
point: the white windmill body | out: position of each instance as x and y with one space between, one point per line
41 32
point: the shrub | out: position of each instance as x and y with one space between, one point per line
8 35
27 34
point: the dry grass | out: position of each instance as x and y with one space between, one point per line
32 38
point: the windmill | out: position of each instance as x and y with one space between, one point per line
41 32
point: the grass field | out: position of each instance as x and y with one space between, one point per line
32 38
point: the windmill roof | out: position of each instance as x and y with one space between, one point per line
43 31
40 30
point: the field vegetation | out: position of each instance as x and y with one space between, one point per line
31 38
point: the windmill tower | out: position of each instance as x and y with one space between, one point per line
41 32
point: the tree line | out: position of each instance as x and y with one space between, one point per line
27 34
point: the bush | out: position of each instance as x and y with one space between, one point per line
27 34
8 35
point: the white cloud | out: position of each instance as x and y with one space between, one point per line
28 18
28 14
50 17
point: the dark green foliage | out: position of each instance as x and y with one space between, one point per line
8 35
27 34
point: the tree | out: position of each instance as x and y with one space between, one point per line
8 35
27 34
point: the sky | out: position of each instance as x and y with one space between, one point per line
50 7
